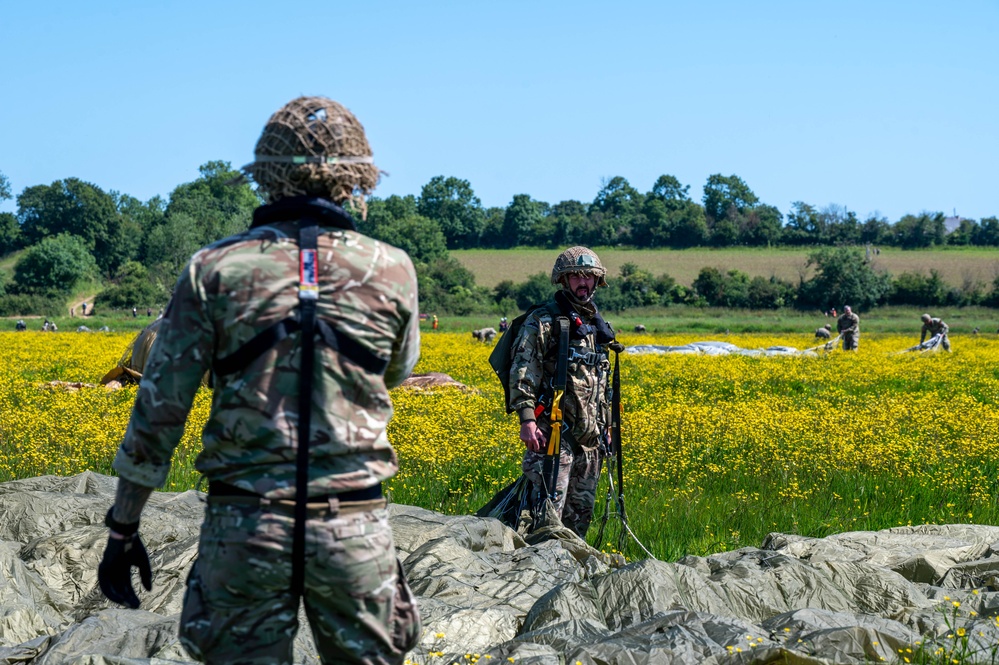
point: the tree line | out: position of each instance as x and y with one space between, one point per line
72 231
729 214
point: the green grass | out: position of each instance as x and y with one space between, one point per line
956 265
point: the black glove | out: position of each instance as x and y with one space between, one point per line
114 574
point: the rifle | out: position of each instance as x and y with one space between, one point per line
615 451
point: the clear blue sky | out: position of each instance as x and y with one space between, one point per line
878 106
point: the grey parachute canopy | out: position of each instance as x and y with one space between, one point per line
849 598
717 349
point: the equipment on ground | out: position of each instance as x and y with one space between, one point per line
932 344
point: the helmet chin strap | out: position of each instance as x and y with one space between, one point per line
573 297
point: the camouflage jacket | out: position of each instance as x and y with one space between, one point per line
586 403
848 324
934 327
239 286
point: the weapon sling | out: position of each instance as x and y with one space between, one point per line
549 469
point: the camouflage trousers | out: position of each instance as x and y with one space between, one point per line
851 341
239 608
576 487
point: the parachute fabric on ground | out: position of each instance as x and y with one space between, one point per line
932 344
717 349
848 598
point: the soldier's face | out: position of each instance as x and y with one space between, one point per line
582 285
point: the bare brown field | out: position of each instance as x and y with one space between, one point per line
956 266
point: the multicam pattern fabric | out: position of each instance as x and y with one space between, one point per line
585 406
586 403
848 326
576 486
228 293
239 608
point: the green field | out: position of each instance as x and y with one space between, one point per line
955 265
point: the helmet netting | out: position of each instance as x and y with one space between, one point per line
314 127
569 262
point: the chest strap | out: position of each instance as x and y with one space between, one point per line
267 339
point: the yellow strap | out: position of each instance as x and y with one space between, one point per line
555 442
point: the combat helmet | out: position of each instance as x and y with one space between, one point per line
926 317
579 260
314 146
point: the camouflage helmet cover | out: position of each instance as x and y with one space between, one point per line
579 260
314 146
926 317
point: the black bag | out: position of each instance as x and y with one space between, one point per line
501 359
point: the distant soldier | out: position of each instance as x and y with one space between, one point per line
135 312
20 326
848 326
934 327
149 311
484 334
503 324
84 308
825 332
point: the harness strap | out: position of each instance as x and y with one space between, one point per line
549 468
308 295
267 339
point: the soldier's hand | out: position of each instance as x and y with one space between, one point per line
532 437
114 574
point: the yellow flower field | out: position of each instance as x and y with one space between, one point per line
719 450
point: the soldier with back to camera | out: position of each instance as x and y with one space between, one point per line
305 325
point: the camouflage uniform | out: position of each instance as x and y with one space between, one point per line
934 327
585 406
239 607
848 326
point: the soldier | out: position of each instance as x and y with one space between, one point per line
586 402
484 334
295 450
20 326
848 326
825 332
935 327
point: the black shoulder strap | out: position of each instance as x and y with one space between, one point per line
308 295
550 464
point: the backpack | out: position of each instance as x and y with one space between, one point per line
501 359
